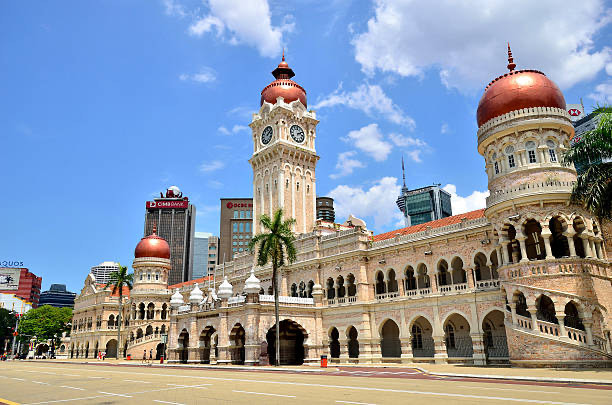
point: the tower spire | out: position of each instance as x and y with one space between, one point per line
283 53
403 172
511 64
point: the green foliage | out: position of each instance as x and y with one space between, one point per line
119 279
7 321
593 187
44 322
277 244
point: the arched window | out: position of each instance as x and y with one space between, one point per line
310 287
351 287
558 241
521 305
443 275
495 163
552 154
411 282
331 291
334 344
510 154
417 337
546 310
270 290
572 317
450 336
164 311
302 292
380 283
392 283
534 243
531 152
341 288
294 290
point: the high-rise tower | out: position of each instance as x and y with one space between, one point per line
284 156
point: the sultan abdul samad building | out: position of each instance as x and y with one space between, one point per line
526 280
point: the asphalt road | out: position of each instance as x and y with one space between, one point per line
54 383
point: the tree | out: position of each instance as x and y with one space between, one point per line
275 245
119 279
44 322
7 323
593 188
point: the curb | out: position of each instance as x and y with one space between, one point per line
519 378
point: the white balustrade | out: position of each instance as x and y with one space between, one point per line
524 322
386 296
236 301
576 334
548 328
487 284
184 308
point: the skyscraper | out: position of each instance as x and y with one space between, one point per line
57 296
423 204
205 254
175 219
103 270
235 227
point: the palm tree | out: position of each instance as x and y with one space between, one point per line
275 245
593 188
119 279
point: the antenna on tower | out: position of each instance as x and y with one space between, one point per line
403 172
511 64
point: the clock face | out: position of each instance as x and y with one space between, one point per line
266 135
297 133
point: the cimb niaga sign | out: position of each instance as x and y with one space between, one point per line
167 204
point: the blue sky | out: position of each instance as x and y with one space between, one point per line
104 104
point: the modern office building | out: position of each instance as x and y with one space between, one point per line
235 226
205 254
587 123
103 271
325 209
175 221
22 283
14 303
57 296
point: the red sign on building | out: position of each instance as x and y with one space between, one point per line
167 204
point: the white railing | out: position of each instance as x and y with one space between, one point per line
548 328
331 301
487 284
236 301
419 292
287 300
529 188
184 308
351 299
576 334
386 296
460 287
600 343
524 322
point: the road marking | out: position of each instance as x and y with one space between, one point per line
357 403
166 402
426 393
264 393
7 402
67 400
139 382
72 375
103 378
18 379
112 393
40 382
72 388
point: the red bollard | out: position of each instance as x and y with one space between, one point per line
161 360
323 361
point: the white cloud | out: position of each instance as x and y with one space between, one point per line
370 140
205 75
472 202
235 129
377 202
468 47
401 140
415 155
346 164
369 98
207 167
244 22
444 129
174 8
602 93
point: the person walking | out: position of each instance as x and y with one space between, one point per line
151 356
144 356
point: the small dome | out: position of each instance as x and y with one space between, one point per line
252 284
354 221
517 90
196 296
176 300
225 289
283 86
152 246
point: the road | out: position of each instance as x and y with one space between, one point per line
55 383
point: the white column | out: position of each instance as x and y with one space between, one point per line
586 245
281 189
521 240
293 196
255 219
303 203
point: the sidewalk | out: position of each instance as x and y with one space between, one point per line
591 376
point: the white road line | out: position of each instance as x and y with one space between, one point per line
72 388
112 393
264 393
66 400
18 379
348 387
102 378
72 375
357 403
139 382
40 382
166 402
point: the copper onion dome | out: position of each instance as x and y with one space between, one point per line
516 90
283 86
152 246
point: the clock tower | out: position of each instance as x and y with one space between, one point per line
284 156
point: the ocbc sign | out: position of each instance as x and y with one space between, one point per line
231 205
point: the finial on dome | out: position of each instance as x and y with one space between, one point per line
283 53
154 228
511 64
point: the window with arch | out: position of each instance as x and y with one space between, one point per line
510 153
531 151
450 336
495 164
417 337
552 154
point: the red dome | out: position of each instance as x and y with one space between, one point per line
516 90
152 246
283 86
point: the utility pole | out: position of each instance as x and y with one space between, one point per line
15 336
